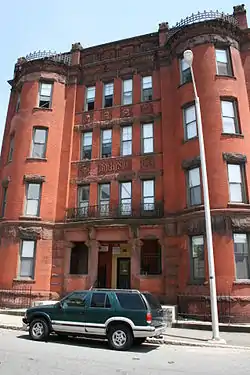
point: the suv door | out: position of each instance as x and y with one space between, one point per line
70 313
98 311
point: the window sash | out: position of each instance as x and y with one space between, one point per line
127 92
104 193
45 94
194 187
197 258
148 195
90 94
32 207
190 122
236 183
27 259
229 117
126 198
126 148
11 148
108 90
4 201
223 63
241 256
147 138
39 143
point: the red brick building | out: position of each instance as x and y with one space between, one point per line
100 170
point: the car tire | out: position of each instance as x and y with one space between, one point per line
39 330
139 340
120 337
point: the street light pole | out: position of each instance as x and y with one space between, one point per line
188 57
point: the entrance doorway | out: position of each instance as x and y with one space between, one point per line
123 273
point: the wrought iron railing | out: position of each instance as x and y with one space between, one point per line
106 210
203 16
51 55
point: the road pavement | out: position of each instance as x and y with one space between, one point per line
19 355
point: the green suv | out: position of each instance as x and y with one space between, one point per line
124 317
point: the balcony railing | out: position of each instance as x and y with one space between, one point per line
122 211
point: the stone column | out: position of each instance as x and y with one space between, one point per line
93 246
66 264
135 244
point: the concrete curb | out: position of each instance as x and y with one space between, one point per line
208 327
195 344
7 326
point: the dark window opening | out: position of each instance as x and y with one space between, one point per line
151 257
4 201
131 301
45 94
100 300
79 259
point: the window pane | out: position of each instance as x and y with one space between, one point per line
195 195
127 133
125 190
26 268
127 148
148 145
87 139
28 248
190 114
33 191
84 193
234 173
46 89
98 300
191 130
236 193
227 108
106 136
91 93
147 82
240 238
104 192
194 177
147 130
221 55
40 136
184 65
130 301
148 188
127 85
229 125
38 151
32 207
108 89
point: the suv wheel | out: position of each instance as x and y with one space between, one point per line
39 329
120 337
139 340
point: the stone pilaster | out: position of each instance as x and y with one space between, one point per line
135 243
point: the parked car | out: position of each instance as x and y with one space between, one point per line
124 317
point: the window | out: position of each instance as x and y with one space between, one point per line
79 259
185 72
236 188
130 301
147 90
148 195
125 198
83 200
126 148
147 138
108 94
90 98
87 145
150 257
127 91
241 255
27 259
18 101
4 201
197 258
106 150
100 300
194 187
11 149
39 143
223 62
104 199
45 95
229 116
76 299
33 193
190 127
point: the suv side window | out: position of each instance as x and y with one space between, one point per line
75 300
100 300
131 301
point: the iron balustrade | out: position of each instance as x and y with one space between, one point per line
109 211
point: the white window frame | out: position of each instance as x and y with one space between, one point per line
83 205
105 95
105 142
104 204
199 243
235 118
31 258
47 98
146 138
126 91
227 63
241 238
86 147
185 72
89 99
127 141
188 124
148 201
34 143
234 182
126 202
190 187
146 87
38 199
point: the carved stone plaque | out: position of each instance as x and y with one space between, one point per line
114 166
84 169
126 112
147 162
107 114
87 117
147 108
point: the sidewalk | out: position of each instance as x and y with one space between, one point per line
173 336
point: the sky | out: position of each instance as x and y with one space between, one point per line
29 26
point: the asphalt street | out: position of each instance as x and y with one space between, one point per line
19 355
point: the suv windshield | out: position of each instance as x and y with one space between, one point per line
152 301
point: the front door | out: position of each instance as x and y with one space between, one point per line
123 273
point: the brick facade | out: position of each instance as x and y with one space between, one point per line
59 225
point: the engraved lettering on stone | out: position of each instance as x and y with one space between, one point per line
114 166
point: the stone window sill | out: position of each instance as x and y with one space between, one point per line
25 280
232 135
238 205
39 160
143 276
190 139
32 218
219 76
183 84
190 209
35 109
241 282
201 282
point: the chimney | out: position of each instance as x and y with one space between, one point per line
240 14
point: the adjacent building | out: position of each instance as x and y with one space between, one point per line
100 170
